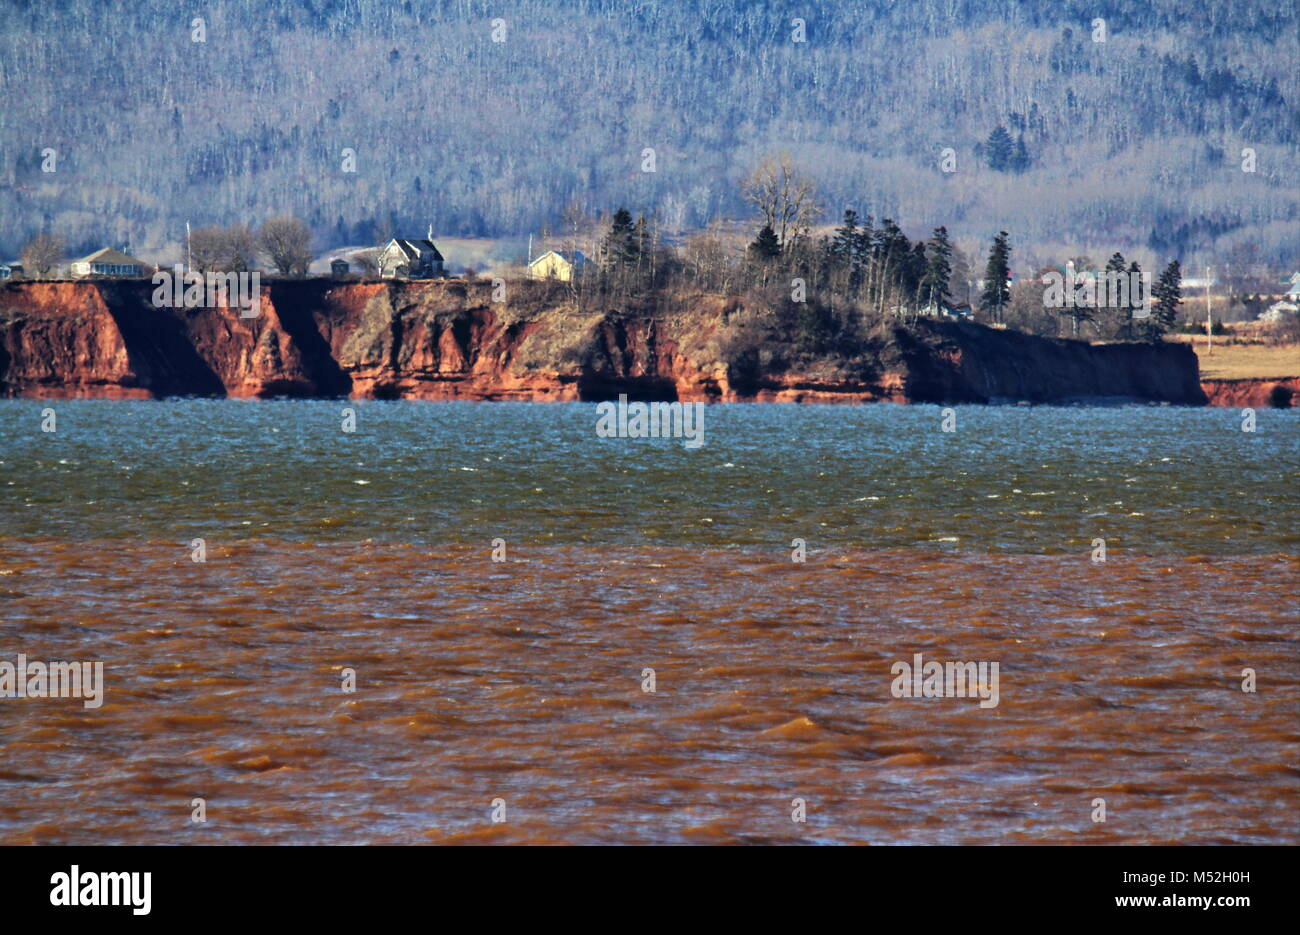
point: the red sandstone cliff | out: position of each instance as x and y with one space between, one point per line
1262 393
449 340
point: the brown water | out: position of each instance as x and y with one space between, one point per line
522 681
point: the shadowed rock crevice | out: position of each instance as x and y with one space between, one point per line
159 351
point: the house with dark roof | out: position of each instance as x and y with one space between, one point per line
410 259
107 262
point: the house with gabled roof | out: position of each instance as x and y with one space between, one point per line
410 259
557 264
107 262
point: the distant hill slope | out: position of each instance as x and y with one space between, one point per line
1134 143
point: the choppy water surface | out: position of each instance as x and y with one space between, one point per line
523 680
1148 479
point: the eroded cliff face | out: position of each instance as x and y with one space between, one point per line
449 340
1279 393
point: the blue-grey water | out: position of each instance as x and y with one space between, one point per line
604 640
1042 479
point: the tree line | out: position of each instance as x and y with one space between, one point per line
840 284
284 242
837 286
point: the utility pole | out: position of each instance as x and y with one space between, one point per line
189 255
1209 329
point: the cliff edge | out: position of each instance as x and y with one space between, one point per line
450 340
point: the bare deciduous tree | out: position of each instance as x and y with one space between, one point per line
241 248
785 197
223 249
41 255
576 229
207 248
708 259
368 262
287 241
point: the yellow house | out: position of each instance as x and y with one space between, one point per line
557 264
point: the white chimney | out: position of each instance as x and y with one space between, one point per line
430 236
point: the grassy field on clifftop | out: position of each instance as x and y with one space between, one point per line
1247 361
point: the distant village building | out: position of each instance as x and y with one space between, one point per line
10 271
1011 281
1279 311
557 264
1293 294
107 262
1068 273
339 267
410 259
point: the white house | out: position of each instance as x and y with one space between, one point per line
1278 311
410 259
107 262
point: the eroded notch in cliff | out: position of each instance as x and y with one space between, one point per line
299 320
159 350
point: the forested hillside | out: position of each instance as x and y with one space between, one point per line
493 118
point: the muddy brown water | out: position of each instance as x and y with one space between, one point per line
523 682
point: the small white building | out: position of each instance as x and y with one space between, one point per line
1278 311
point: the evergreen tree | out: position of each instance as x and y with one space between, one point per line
1114 265
999 149
938 270
1126 328
1116 316
892 250
621 244
844 244
915 267
843 250
765 246
997 291
1167 292
864 244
